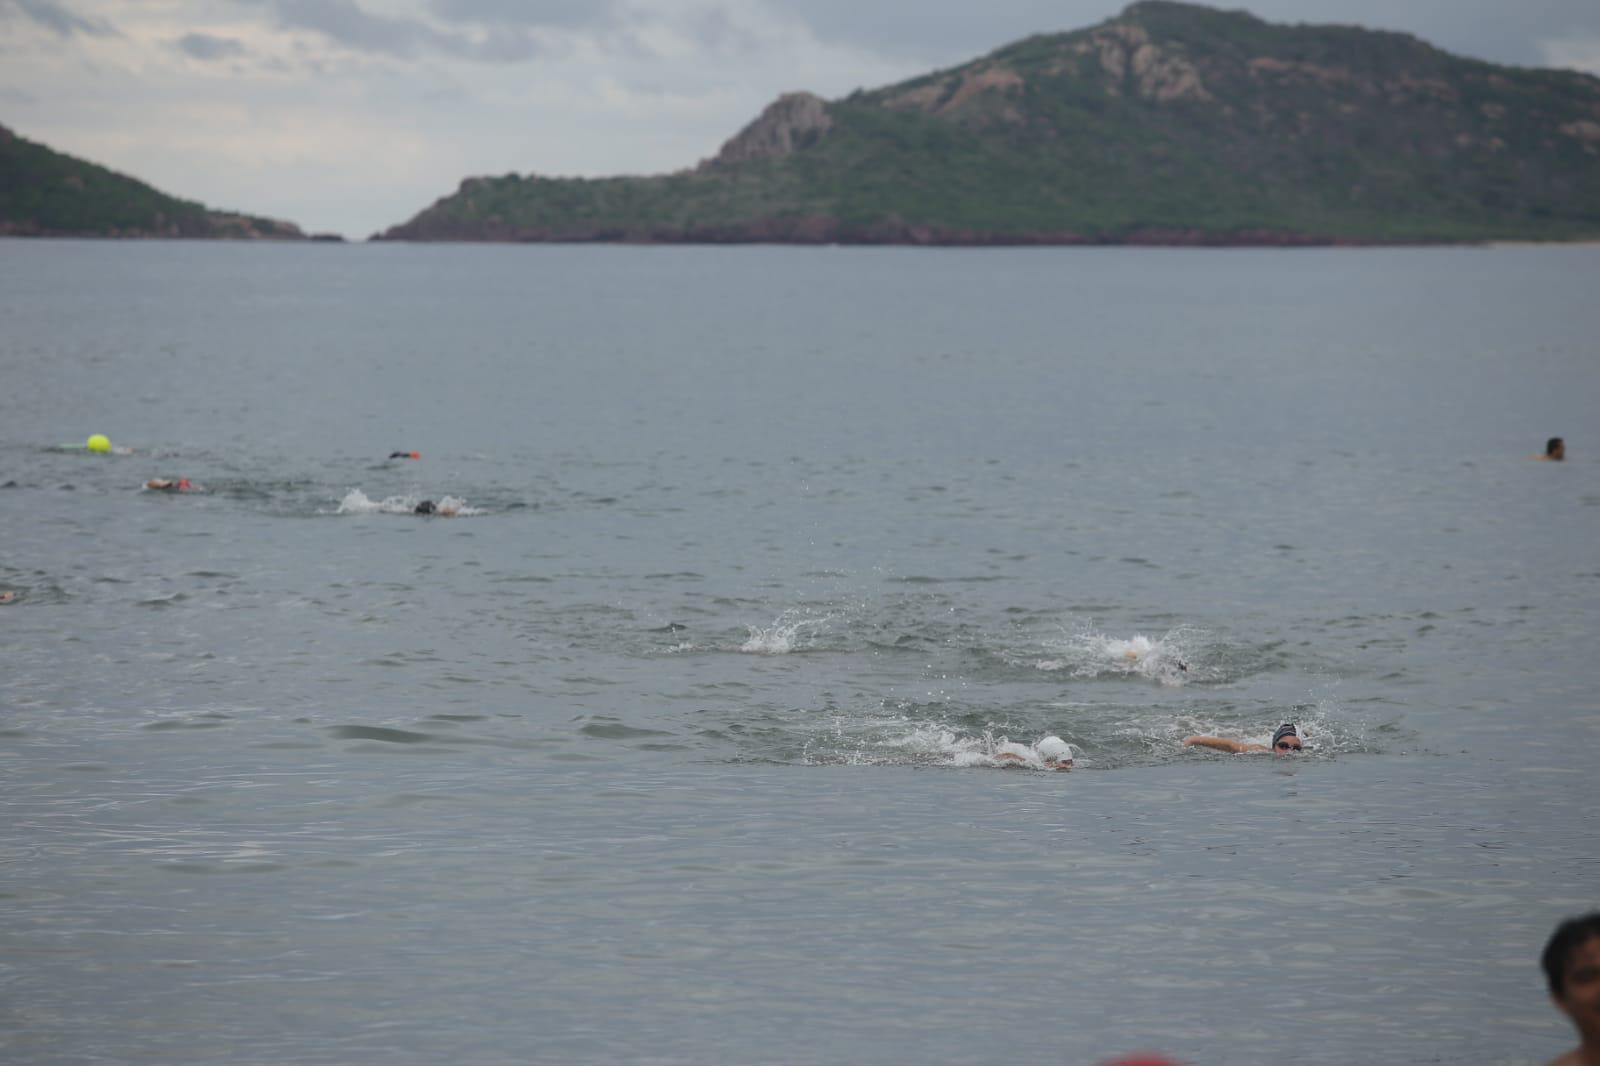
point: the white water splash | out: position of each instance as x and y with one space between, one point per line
786 634
357 502
1090 654
989 750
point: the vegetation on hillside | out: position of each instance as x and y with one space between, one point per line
46 194
1172 123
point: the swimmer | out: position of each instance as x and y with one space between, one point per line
1571 963
1555 450
1055 753
405 455
167 484
8 596
443 510
1285 741
1133 654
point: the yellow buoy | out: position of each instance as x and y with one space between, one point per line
98 443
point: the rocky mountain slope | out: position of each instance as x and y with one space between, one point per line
1171 123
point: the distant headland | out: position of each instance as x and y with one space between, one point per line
44 193
1169 124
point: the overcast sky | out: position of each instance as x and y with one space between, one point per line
352 115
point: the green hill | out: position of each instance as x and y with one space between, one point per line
47 194
1171 123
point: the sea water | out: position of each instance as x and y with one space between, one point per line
677 744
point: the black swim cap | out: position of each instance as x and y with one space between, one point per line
426 507
1284 730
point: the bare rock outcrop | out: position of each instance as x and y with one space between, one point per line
791 123
1129 58
948 95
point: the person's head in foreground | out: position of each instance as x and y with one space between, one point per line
1285 741
1555 448
1571 962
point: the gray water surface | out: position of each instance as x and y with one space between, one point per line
676 745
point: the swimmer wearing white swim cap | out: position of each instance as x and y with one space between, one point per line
1055 753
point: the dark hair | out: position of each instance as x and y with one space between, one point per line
1569 936
1551 445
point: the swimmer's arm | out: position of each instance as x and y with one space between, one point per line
1221 744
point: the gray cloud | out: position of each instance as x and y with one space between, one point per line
566 14
206 47
347 23
57 18
716 30
1488 29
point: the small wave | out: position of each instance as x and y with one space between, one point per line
357 502
380 733
115 449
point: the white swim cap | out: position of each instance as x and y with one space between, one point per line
1054 749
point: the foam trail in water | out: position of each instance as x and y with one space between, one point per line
357 502
953 749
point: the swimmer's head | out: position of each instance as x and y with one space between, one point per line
1555 448
1285 739
426 507
1054 750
